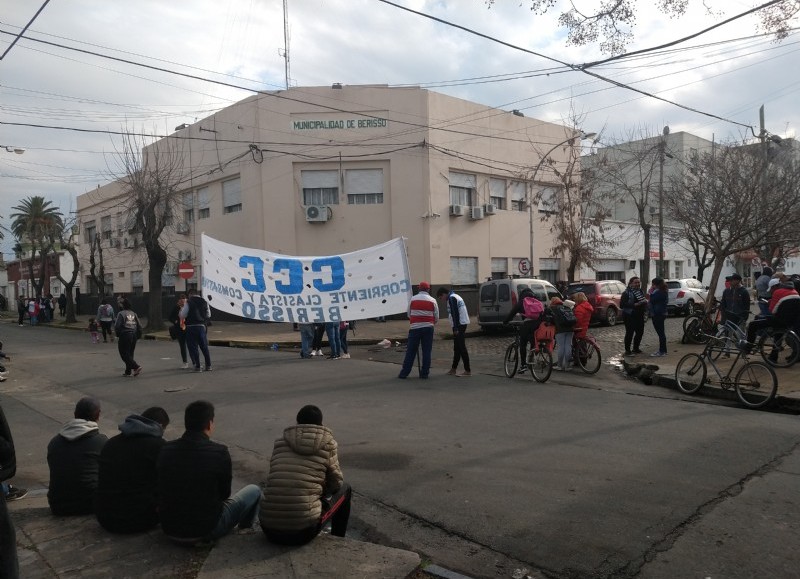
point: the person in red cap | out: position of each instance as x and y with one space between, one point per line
423 313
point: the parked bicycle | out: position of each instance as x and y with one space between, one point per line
698 327
539 359
779 347
755 383
586 354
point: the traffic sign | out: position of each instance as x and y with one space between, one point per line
524 266
186 270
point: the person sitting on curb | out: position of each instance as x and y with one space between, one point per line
73 456
194 484
125 501
305 487
9 565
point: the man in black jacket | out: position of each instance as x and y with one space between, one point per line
125 501
194 483
196 313
73 456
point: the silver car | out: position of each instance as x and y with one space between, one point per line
685 296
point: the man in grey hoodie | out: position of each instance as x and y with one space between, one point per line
73 456
126 501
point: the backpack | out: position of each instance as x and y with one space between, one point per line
532 308
564 317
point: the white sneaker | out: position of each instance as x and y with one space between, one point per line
185 365
346 356
319 353
313 352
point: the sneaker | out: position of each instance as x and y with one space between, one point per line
628 353
4 373
451 372
658 354
522 369
209 368
319 353
198 369
3 378
346 356
637 351
185 365
313 352
137 371
745 346
463 375
15 493
126 375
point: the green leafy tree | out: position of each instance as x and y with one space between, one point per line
36 223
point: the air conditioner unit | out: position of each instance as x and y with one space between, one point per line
126 242
182 228
457 210
490 209
184 255
476 213
171 268
317 213
115 242
653 210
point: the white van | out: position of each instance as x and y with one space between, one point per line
497 297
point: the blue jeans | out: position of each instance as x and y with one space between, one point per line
332 330
416 337
306 339
564 348
196 338
240 509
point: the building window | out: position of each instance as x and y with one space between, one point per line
137 283
232 196
462 188
203 203
548 201
105 227
499 267
518 197
320 187
90 231
497 193
364 186
188 207
463 270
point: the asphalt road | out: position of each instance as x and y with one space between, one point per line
584 476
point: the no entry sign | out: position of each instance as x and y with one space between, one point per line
186 270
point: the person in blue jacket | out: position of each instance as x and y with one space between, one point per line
659 298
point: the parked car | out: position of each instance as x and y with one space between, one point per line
685 296
498 296
604 295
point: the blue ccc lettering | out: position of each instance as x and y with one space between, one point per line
331 278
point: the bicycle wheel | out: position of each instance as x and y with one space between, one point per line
690 373
511 359
780 349
689 319
694 332
756 384
587 356
541 364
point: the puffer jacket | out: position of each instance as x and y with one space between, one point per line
583 313
304 467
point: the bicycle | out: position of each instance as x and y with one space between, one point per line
698 328
755 383
779 347
586 354
539 359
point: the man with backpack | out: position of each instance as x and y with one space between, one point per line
459 320
564 320
105 315
531 310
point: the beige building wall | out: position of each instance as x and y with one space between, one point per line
418 138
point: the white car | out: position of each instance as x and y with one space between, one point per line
685 296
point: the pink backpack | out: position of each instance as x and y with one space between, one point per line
532 308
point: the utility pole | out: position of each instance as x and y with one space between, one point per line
286 39
661 154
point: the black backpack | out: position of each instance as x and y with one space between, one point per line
564 317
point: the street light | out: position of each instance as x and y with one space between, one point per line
10 149
583 136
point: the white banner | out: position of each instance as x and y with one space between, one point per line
260 285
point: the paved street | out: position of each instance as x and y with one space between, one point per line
584 476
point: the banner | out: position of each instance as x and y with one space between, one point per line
260 285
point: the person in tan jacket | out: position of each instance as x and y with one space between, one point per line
305 487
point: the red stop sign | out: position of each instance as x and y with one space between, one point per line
186 270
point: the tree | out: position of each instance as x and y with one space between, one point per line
66 238
628 173
612 21
736 201
575 210
38 224
97 270
151 179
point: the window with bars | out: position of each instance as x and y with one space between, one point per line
364 186
188 207
517 191
90 231
462 188
320 187
137 283
105 227
232 195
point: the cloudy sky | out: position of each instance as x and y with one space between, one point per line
63 104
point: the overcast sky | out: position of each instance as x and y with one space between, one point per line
729 72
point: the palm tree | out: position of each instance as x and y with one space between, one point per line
38 224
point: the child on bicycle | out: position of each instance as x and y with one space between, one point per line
531 310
